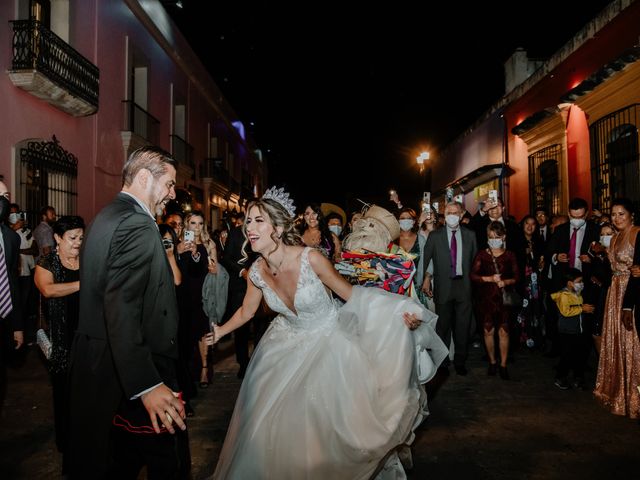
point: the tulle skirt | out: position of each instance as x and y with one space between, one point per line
333 402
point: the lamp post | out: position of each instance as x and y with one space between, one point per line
425 170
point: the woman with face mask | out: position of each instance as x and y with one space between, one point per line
412 240
600 279
494 268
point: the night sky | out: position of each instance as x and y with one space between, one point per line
341 96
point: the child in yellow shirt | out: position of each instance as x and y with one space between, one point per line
575 343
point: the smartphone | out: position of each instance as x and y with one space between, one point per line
189 236
493 196
435 206
167 243
459 198
426 197
449 194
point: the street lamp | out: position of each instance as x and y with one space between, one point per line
425 170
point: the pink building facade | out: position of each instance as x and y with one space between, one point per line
88 81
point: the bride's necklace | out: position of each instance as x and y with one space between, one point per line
275 270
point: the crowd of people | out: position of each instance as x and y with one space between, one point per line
132 336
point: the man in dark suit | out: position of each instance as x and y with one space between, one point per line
570 242
125 412
233 262
569 248
11 328
452 250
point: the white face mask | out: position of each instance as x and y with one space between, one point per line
577 222
578 287
337 229
495 242
406 224
605 240
452 221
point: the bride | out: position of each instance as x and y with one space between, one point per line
331 391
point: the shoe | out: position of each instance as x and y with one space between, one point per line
492 370
188 410
562 384
204 373
579 383
461 370
504 373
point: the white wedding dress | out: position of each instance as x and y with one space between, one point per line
331 391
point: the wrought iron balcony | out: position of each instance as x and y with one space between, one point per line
182 152
50 69
139 121
212 168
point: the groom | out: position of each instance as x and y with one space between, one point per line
125 412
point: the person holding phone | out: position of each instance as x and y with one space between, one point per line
196 262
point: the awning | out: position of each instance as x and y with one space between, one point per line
477 177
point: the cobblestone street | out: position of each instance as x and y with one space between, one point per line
480 427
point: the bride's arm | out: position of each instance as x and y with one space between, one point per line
332 279
245 313
329 275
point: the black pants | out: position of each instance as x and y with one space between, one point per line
166 456
574 353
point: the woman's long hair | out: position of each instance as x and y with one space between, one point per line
205 239
326 237
164 229
278 217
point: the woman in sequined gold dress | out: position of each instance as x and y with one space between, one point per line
619 367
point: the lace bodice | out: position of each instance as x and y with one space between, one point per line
314 308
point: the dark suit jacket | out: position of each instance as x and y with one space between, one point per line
126 338
632 293
560 243
233 255
437 249
11 256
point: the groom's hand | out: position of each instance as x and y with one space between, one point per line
162 403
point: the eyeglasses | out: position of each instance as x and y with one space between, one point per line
175 224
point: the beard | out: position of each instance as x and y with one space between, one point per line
159 210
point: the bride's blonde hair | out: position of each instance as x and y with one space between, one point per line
278 217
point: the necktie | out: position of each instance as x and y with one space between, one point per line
454 254
5 292
542 233
572 248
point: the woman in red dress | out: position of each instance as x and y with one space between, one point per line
494 269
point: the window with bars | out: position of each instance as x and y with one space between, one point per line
614 158
544 179
46 175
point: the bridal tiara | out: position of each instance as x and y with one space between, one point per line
282 197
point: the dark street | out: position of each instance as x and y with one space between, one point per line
480 427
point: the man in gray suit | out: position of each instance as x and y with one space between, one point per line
452 250
125 412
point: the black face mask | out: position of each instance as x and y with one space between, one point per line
4 209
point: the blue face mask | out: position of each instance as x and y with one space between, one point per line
406 224
336 229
